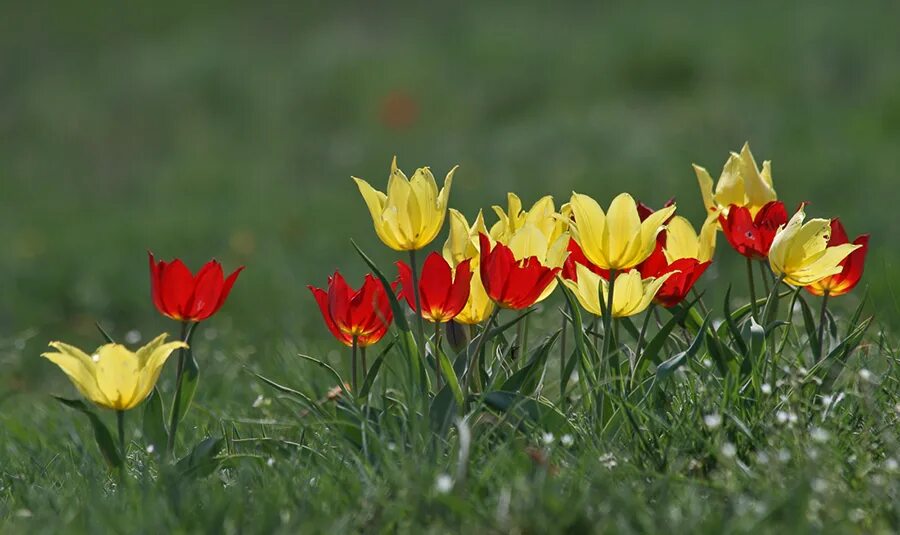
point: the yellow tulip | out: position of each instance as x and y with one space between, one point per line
800 252
632 294
114 377
683 242
542 215
412 212
462 244
741 183
616 240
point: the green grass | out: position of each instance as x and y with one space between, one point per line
232 131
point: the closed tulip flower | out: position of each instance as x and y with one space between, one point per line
113 376
412 212
741 183
463 245
542 215
363 314
851 267
617 239
181 296
512 282
443 290
632 294
750 235
800 253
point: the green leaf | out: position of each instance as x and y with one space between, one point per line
449 374
154 425
101 433
588 376
202 460
372 374
667 368
809 323
334 374
443 410
500 329
527 379
537 413
189 381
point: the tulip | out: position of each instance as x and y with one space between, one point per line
800 254
741 183
542 215
512 281
617 240
463 245
632 293
412 212
114 377
443 290
362 315
851 267
752 235
576 257
181 296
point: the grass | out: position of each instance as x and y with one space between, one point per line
233 131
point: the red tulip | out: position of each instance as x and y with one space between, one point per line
684 274
852 266
509 282
576 256
180 295
442 293
752 236
348 313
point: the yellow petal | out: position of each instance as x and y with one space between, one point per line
589 229
826 264
757 189
628 294
810 240
781 244
624 228
730 188
650 227
457 244
707 240
118 375
80 368
153 365
587 289
681 240
706 188
528 241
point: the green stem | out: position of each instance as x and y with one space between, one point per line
823 317
473 363
354 345
362 358
420 325
752 290
563 380
607 316
176 403
766 275
120 422
438 373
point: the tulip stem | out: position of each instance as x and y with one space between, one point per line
607 317
438 376
420 325
823 317
353 347
176 403
362 361
563 380
472 372
765 276
120 422
752 289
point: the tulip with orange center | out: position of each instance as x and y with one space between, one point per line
750 235
512 282
362 315
182 296
443 290
851 267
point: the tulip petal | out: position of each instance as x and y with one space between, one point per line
177 289
118 375
589 229
80 368
153 365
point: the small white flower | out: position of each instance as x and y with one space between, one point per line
784 456
827 399
260 399
762 457
151 448
857 515
802 370
729 450
897 408
781 416
819 435
443 484
865 375
608 460
567 440
713 420
890 464
23 513
707 363
391 446
271 462
133 336
819 485
547 438
766 388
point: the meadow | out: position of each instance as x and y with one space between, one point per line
232 132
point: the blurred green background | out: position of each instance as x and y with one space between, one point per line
232 130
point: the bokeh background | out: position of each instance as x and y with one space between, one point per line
227 130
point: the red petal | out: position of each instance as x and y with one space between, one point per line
406 284
155 271
838 234
177 285
207 289
321 297
459 293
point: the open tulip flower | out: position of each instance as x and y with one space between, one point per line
851 267
113 376
632 294
752 235
181 296
801 255
741 183
363 315
412 212
683 254
511 281
463 245
443 290
617 239
542 215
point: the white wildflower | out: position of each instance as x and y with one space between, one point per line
729 450
713 420
443 484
